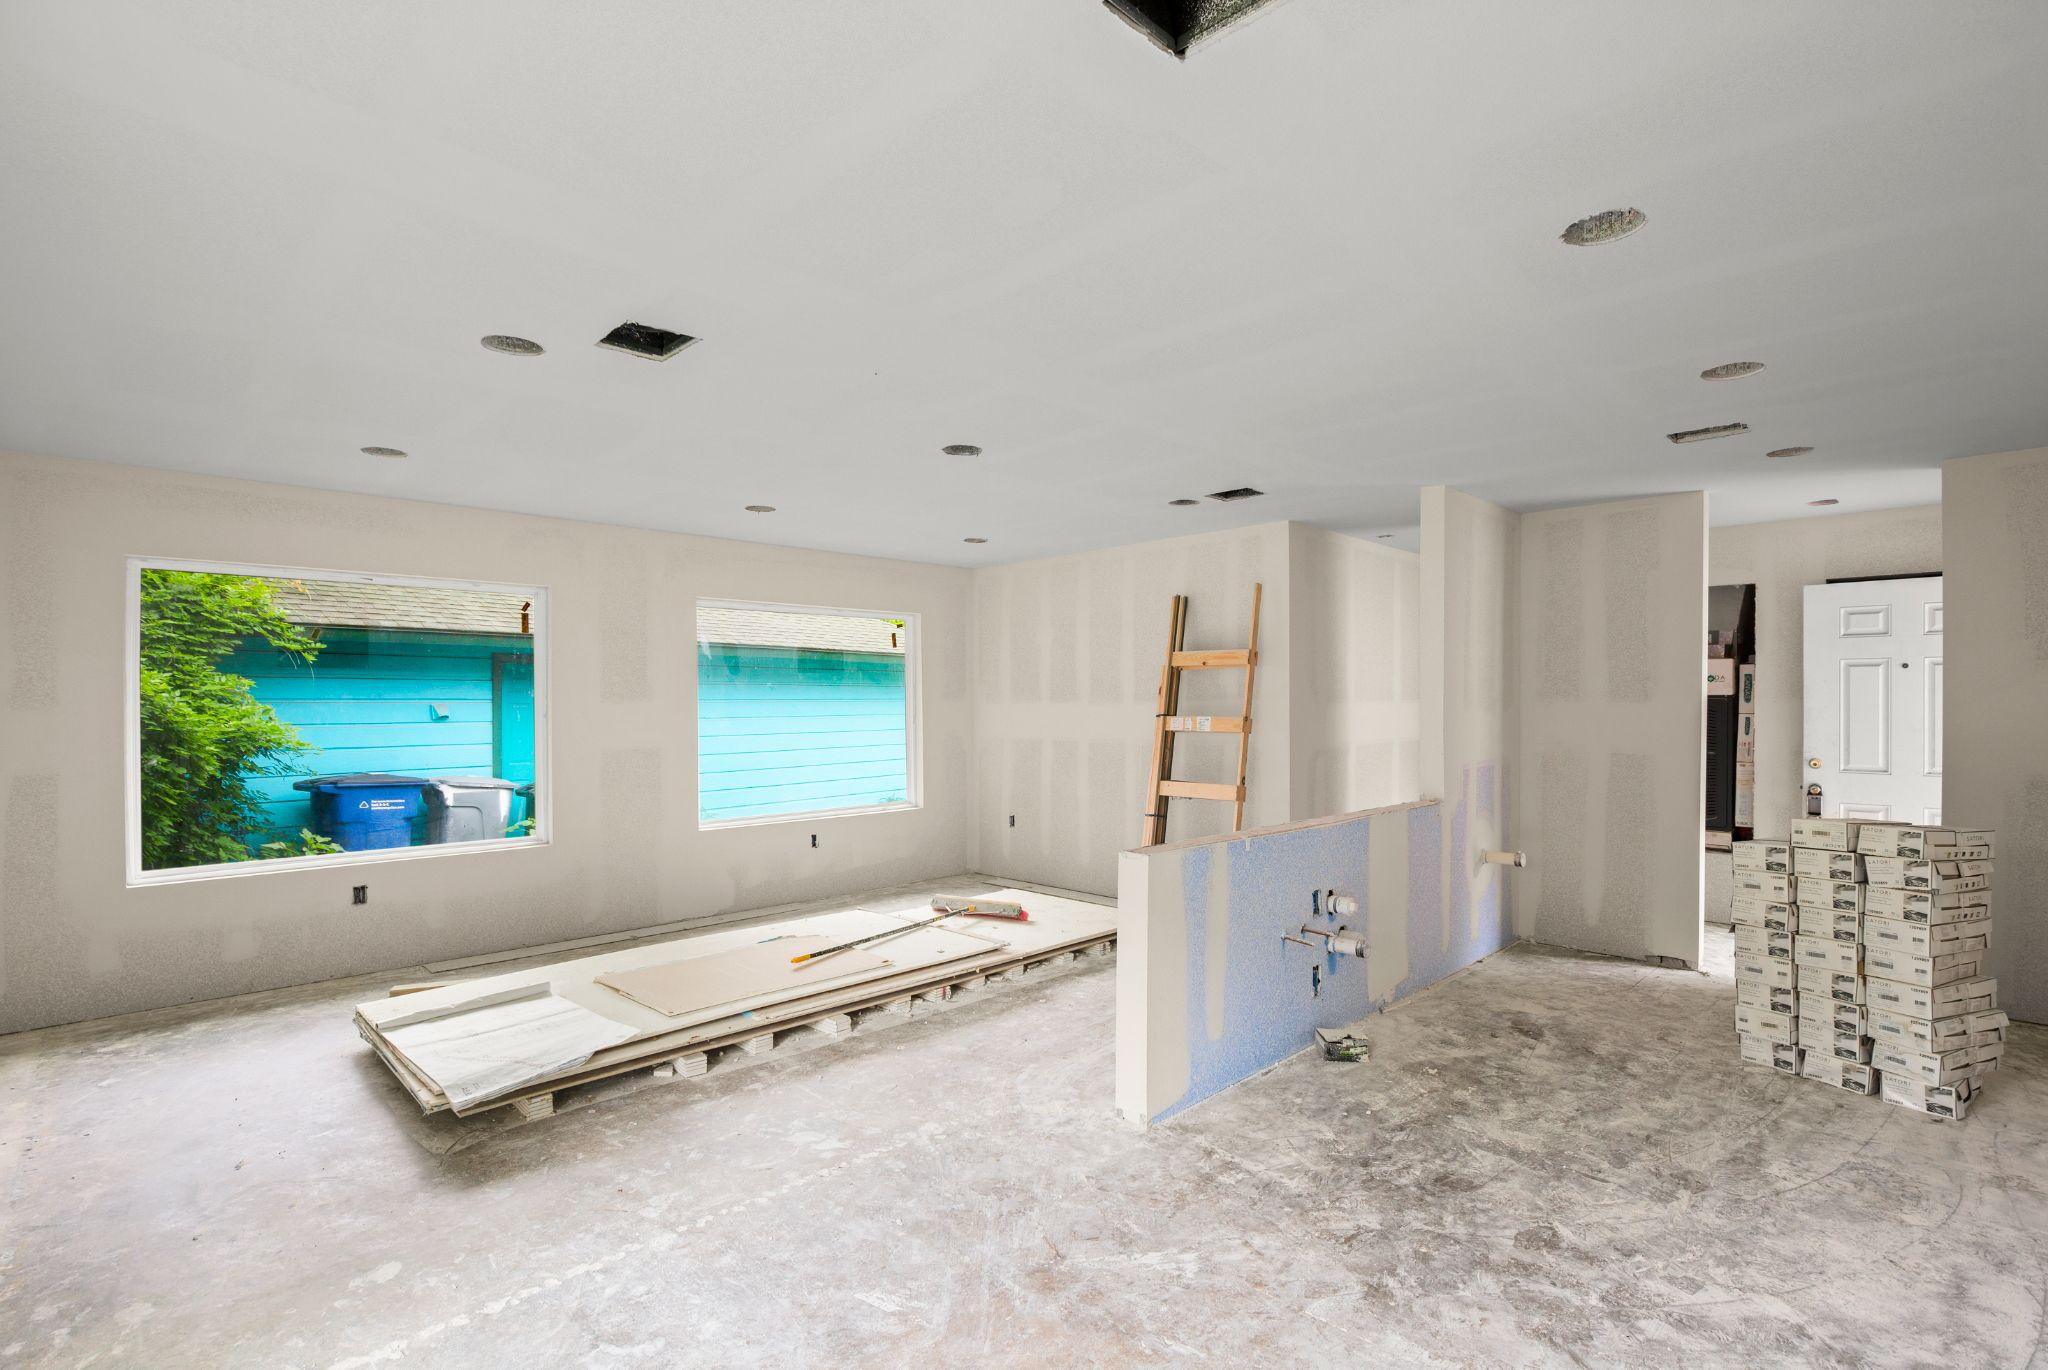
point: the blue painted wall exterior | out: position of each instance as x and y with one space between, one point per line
426 704
790 730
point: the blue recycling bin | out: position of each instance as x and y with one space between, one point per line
366 811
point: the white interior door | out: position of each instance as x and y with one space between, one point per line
1873 699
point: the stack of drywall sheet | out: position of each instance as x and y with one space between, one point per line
1933 1012
625 1009
1762 910
1828 887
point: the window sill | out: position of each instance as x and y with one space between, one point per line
235 870
807 816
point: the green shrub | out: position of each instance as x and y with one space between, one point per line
203 731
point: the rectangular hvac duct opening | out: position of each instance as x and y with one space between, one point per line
1174 26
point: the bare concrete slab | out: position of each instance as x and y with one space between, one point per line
1550 1159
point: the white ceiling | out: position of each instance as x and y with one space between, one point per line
1319 257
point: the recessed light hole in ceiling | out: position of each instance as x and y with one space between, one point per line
1241 492
760 508
1174 26
961 449
382 452
1719 430
1182 503
645 340
976 541
1607 226
1789 452
1731 371
511 346
1822 503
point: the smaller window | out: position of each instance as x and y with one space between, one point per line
803 711
280 717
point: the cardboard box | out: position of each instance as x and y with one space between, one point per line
1769 998
1959 852
1842 927
1827 865
1896 839
1745 798
1919 1001
1920 1034
1825 953
1769 971
1921 939
1762 855
1760 1051
1825 834
1985 1056
1745 689
1755 941
1925 906
1750 910
1745 739
1899 872
1772 1027
1780 888
1987 1025
1940 1101
1927 1067
1932 972
1720 676
1843 896
1843 989
1842 1074
1829 1015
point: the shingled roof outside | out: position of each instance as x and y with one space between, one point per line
783 628
417 608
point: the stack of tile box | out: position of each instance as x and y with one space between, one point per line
1858 960
1766 1009
1827 951
1932 1010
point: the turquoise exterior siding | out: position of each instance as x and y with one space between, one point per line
789 730
426 704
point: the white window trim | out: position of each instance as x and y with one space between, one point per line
543 788
913 716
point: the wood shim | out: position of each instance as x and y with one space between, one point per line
695 988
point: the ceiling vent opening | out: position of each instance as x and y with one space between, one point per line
1719 430
1241 492
1175 26
645 340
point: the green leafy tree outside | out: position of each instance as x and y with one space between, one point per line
203 732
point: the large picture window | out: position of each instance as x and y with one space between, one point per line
297 717
803 711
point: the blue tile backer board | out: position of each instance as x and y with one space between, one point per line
1250 999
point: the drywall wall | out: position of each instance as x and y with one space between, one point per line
1355 714
1995 716
76 942
1469 709
1781 560
1609 790
1208 992
1066 663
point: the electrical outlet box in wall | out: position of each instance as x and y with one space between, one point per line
360 895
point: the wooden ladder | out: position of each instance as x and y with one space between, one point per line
1169 722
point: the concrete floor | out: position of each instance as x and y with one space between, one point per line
1551 1159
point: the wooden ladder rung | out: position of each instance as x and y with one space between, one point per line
1198 789
1208 723
1223 659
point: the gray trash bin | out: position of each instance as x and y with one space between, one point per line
467 808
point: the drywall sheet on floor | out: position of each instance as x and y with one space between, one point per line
1612 627
1208 989
1994 532
692 985
482 1052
